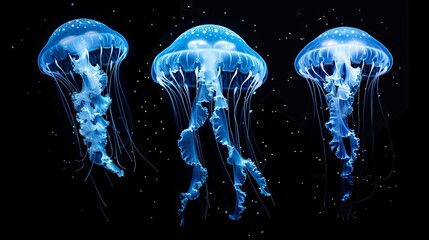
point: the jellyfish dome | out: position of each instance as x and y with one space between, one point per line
83 56
336 62
344 45
212 47
213 60
78 37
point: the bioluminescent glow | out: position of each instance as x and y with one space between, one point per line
83 56
208 61
335 63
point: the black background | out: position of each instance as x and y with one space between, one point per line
47 190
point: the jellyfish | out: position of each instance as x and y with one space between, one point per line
83 56
335 63
213 60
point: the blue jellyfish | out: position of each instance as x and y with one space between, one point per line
83 57
336 62
212 59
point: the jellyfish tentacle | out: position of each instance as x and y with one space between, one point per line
91 107
239 164
340 89
188 143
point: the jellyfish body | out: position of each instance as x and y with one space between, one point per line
335 63
213 60
83 56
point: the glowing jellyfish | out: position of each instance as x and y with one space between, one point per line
212 59
83 56
336 62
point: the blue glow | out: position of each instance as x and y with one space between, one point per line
83 57
212 59
336 62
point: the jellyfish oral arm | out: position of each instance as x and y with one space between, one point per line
188 146
340 89
91 107
239 164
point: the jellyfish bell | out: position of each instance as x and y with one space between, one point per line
336 62
212 59
217 48
75 37
83 56
344 45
